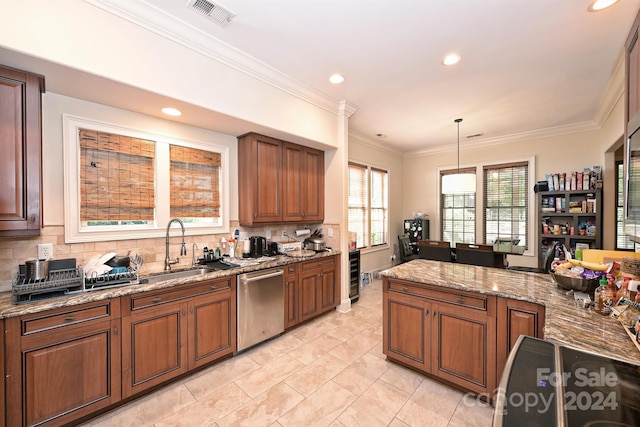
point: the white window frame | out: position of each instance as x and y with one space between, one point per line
367 235
76 233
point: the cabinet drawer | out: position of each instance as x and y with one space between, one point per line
154 298
319 263
461 298
291 269
31 324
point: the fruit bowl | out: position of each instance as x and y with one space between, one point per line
575 283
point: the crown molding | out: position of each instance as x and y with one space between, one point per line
516 137
613 94
362 139
145 15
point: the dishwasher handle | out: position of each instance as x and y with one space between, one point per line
262 276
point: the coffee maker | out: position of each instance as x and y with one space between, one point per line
258 246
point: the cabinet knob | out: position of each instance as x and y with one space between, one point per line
426 311
460 300
214 287
156 300
69 319
405 289
192 310
32 219
115 331
184 312
434 313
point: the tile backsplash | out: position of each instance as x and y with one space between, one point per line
14 252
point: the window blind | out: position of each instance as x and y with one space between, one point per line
358 196
195 183
379 206
506 202
116 177
457 213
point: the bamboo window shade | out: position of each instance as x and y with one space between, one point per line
195 183
116 177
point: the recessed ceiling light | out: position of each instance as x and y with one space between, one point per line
381 135
598 5
171 111
451 59
336 79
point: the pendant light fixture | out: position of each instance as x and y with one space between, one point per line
458 183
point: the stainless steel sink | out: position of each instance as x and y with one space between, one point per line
173 275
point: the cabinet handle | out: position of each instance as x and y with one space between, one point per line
69 319
404 289
426 311
434 313
32 219
115 331
156 300
460 300
192 310
214 287
184 312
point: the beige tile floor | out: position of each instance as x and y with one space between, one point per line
329 372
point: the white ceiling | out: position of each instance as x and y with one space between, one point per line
528 66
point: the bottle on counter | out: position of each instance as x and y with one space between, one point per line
218 254
603 297
232 247
623 292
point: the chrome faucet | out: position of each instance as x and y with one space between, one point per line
183 249
194 260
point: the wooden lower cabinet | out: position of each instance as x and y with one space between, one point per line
168 332
2 410
516 318
62 364
444 333
291 285
319 287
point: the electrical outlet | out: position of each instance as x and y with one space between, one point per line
45 251
267 233
330 232
393 258
284 233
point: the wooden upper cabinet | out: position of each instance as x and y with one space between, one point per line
21 145
279 181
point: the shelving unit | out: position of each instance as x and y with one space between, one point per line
577 218
354 276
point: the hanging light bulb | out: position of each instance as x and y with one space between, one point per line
458 183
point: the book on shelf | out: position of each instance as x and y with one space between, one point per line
579 181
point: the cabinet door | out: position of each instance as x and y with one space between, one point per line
407 330
211 328
293 172
259 179
313 186
2 410
59 376
291 291
310 294
154 346
329 283
464 347
516 318
20 163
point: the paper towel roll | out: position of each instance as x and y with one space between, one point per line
303 232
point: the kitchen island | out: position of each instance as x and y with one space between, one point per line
449 320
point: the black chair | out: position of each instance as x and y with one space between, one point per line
435 250
404 247
482 255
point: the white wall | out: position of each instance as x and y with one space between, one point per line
373 154
561 153
54 106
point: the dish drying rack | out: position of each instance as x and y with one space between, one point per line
67 282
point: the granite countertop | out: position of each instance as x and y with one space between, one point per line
565 324
7 309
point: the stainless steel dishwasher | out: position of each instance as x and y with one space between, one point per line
260 306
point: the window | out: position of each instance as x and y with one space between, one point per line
622 240
457 214
126 184
368 205
506 203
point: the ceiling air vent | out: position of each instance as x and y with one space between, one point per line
213 11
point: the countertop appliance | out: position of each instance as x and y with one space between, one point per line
260 307
258 246
596 391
